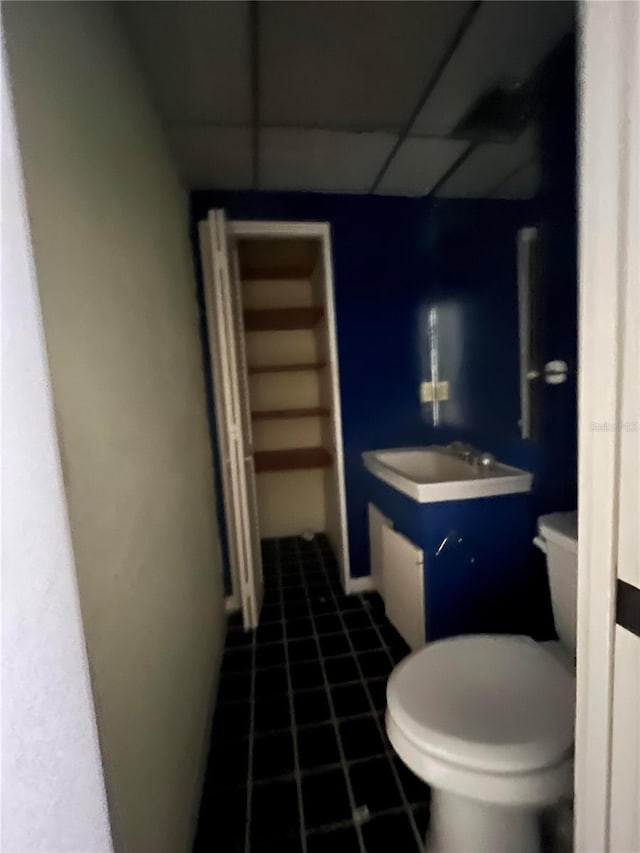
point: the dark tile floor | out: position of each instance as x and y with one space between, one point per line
299 756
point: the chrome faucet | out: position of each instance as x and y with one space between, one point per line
469 454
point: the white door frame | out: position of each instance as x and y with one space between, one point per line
608 447
220 396
226 352
322 232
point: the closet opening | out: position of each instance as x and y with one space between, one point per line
276 363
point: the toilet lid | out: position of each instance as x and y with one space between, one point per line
493 703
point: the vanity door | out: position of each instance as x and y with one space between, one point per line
403 580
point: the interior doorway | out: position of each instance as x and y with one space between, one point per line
271 321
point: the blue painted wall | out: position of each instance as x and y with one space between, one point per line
474 291
473 286
473 274
394 258
380 250
558 226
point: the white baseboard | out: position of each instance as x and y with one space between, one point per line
363 584
231 603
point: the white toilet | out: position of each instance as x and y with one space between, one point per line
487 720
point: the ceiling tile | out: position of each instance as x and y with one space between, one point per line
323 160
213 158
505 43
350 65
195 57
419 164
487 167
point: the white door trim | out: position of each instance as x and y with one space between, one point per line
221 404
220 298
609 109
322 231
248 228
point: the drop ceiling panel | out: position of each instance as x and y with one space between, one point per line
213 158
351 65
195 57
419 164
323 160
487 167
505 43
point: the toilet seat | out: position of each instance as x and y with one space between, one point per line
536 788
486 703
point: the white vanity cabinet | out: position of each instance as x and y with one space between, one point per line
397 570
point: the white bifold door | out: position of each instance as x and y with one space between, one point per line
233 417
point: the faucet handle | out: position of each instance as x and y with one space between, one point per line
462 449
486 460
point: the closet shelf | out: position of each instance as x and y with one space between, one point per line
282 319
284 414
273 273
288 368
298 459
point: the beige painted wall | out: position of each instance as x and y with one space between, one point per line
109 227
291 502
276 293
278 514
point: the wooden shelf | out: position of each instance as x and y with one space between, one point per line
282 319
288 368
292 258
284 414
267 273
299 459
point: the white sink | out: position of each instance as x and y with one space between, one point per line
434 473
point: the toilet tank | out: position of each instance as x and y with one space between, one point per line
558 538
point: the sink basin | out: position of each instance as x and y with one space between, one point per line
434 473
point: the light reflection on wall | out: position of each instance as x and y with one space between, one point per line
441 357
433 360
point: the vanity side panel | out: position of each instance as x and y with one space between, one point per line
477 578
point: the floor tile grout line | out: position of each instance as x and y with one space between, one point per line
350 683
315 771
294 734
306 594
396 775
344 824
252 711
306 636
408 809
342 655
315 725
336 729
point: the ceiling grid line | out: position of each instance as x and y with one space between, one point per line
509 176
283 125
431 84
454 167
